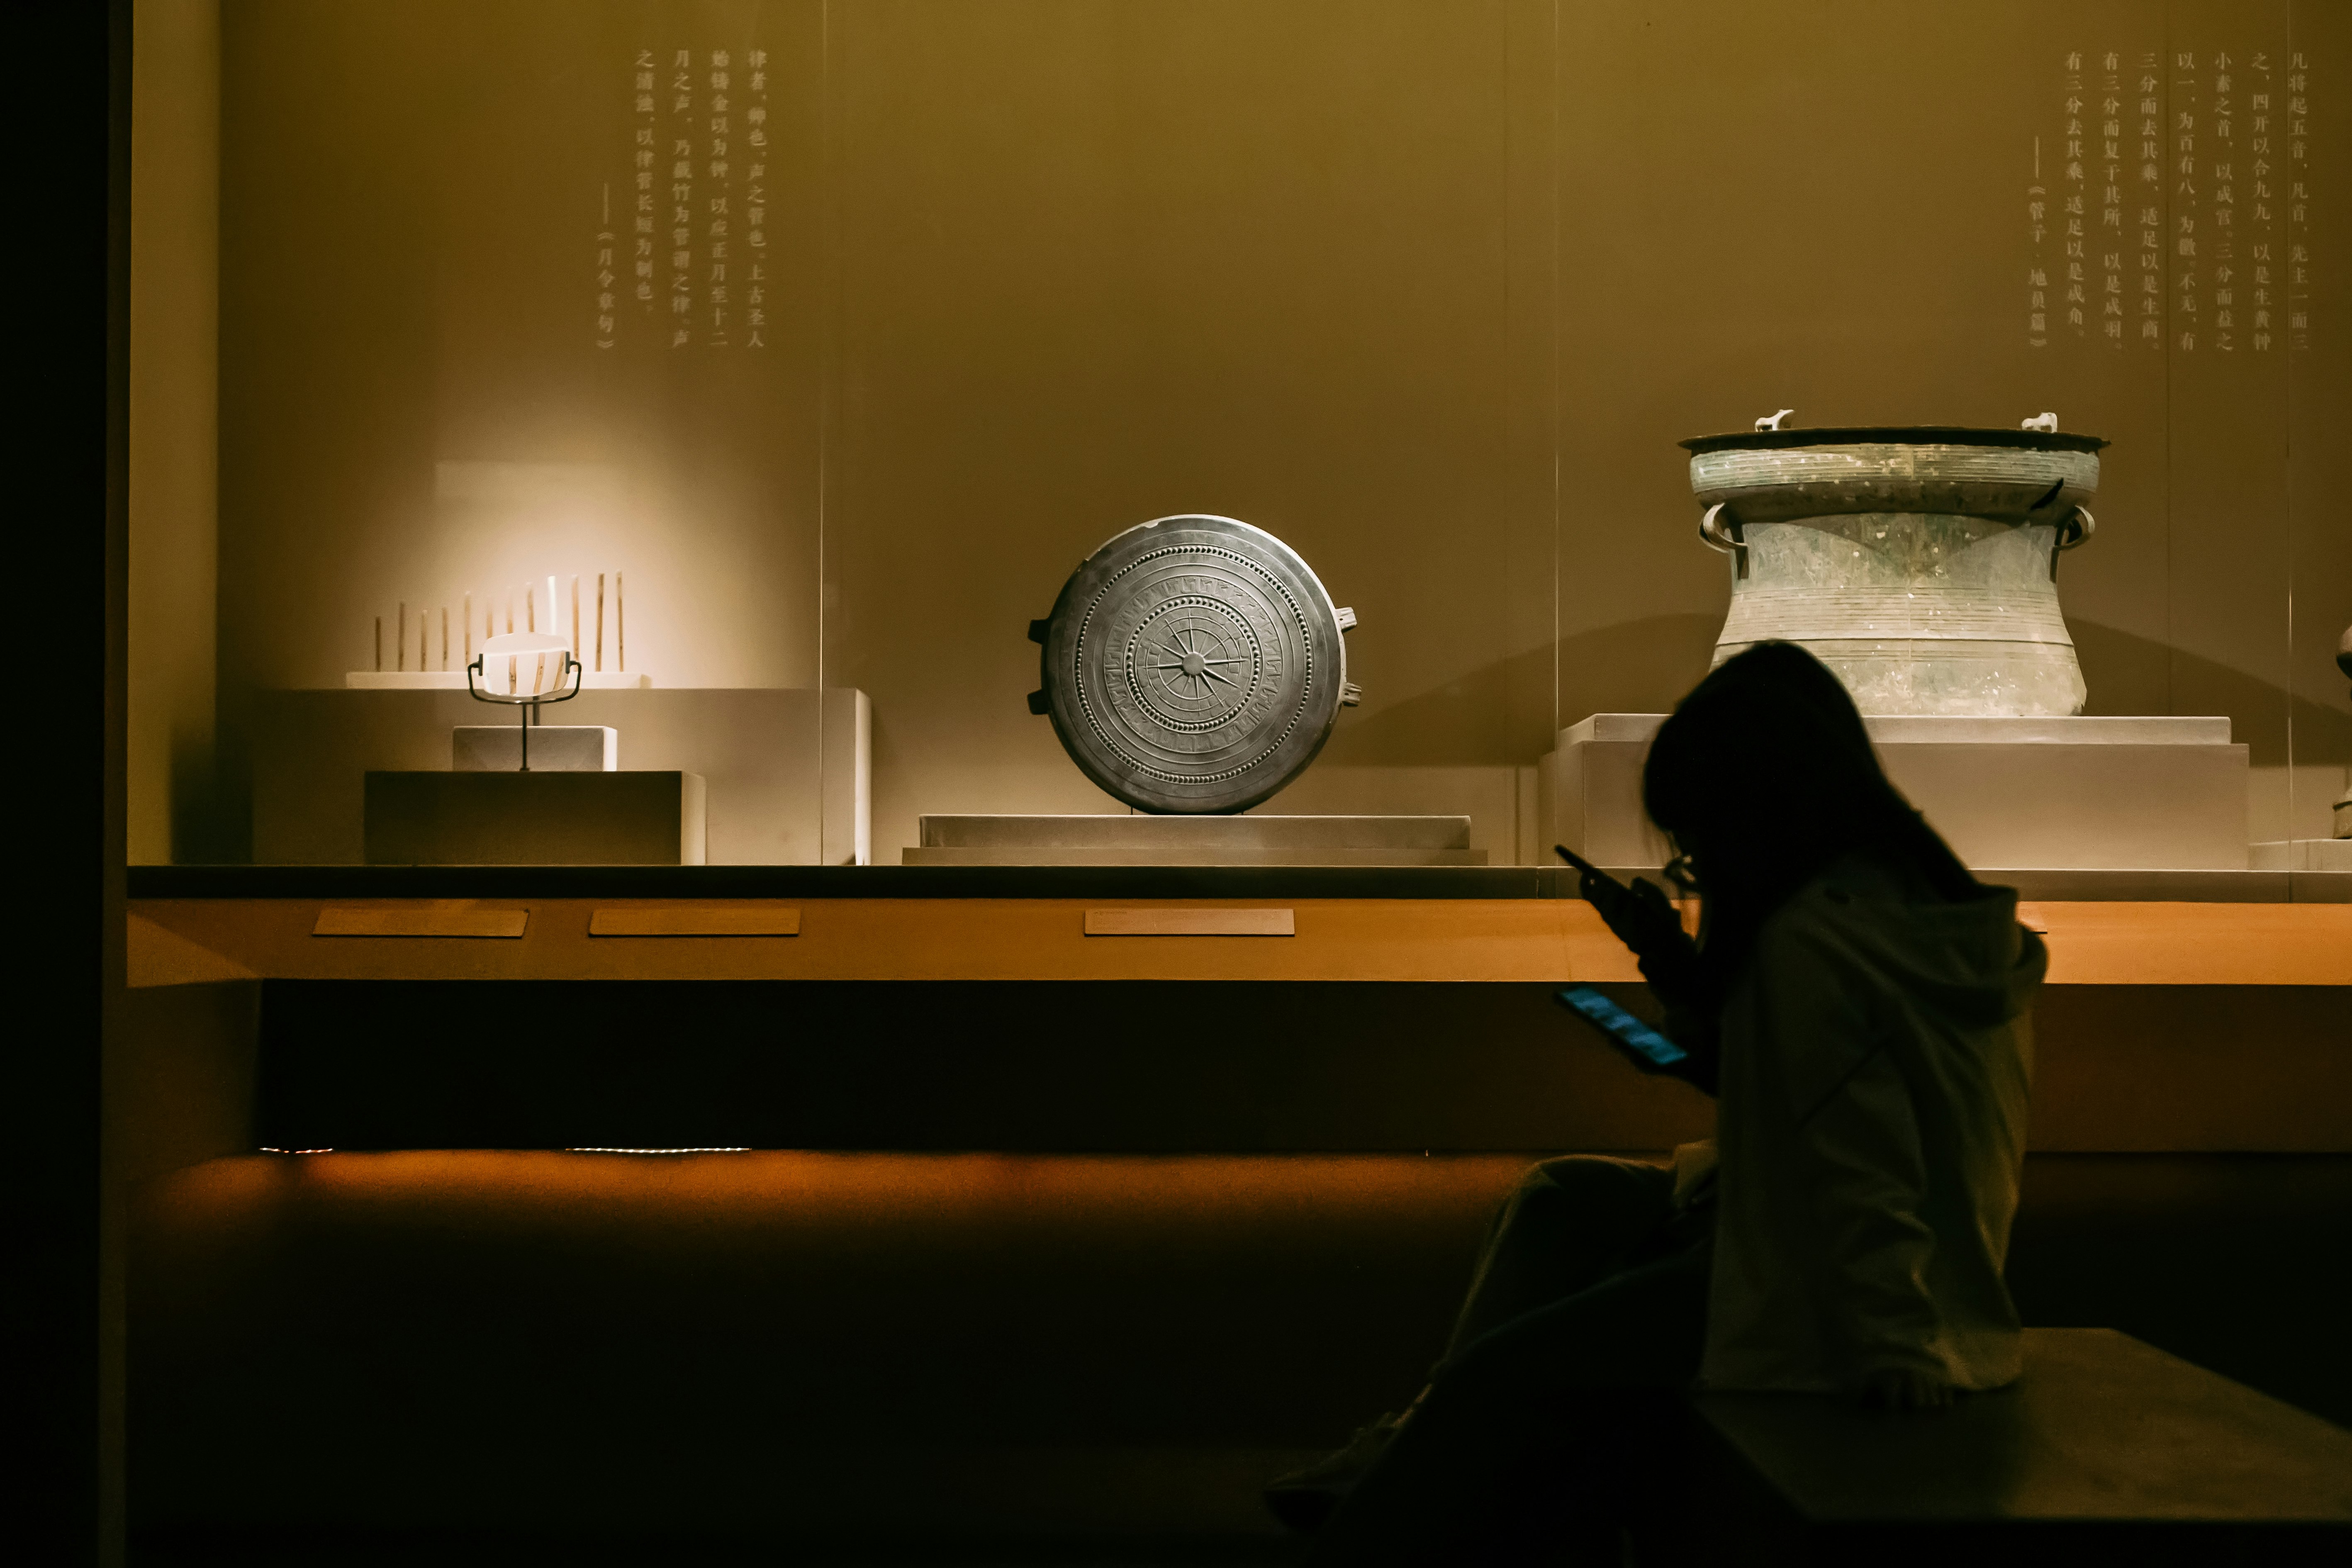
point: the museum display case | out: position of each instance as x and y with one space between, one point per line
1058 568
779 362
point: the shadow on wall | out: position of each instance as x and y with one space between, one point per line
2131 674
1634 666
1646 665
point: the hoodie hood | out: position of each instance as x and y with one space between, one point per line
1969 960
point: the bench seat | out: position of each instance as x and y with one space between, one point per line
2107 1449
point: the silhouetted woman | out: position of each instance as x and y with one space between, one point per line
1856 1000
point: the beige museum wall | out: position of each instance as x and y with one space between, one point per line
1428 288
174 425
1104 263
1299 262
2319 542
413 403
1817 208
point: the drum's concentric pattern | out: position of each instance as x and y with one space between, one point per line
1194 664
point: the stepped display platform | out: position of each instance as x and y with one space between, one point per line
2066 808
1147 840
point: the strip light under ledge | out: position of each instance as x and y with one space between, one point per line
597 1150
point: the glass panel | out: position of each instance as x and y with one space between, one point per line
836 334
2320 403
1781 210
1103 264
513 321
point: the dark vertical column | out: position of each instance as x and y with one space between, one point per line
64 844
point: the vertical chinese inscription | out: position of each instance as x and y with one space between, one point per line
696 203
2224 223
2037 274
755 200
643 150
681 198
2072 231
2298 200
718 296
2199 238
2262 225
605 277
2148 195
2185 102
2111 200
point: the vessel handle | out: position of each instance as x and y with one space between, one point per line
1725 536
2076 530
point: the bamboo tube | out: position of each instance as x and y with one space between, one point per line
445 639
620 629
575 618
400 638
378 644
468 619
600 623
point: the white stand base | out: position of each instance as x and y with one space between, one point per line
2066 793
788 770
2304 855
1146 840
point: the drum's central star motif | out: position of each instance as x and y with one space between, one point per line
1193 666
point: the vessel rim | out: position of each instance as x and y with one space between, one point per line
1894 436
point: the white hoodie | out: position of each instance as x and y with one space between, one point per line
1871 1128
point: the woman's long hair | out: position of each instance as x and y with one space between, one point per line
1764 774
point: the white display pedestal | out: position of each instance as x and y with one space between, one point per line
788 771
2304 855
2049 795
1148 840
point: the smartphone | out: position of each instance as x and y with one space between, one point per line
1653 1049
1596 886
1581 864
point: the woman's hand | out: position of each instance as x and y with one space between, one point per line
1904 1388
1647 922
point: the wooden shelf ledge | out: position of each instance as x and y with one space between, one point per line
1350 940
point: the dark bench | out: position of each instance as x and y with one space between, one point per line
2107 1450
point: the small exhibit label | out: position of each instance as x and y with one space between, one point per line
424 920
690 919
1191 922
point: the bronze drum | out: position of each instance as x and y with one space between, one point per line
1920 563
1193 664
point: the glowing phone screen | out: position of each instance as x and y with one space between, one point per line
1622 1027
